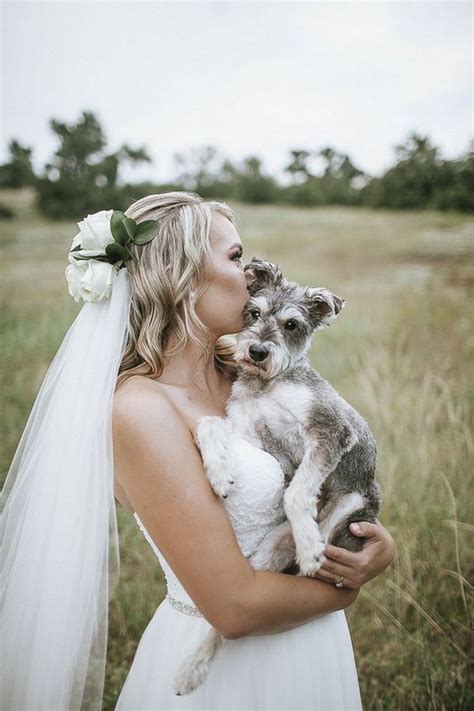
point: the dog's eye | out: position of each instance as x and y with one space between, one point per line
255 313
291 325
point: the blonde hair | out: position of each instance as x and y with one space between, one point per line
166 281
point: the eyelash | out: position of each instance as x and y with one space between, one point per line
237 257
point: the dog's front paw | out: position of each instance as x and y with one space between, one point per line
221 482
310 561
212 438
211 429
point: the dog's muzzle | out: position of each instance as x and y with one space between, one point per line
258 353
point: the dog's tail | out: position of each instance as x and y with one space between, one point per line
195 669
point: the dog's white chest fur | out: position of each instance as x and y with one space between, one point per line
296 398
285 405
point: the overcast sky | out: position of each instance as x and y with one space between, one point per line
248 77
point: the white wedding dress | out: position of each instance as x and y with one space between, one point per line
310 667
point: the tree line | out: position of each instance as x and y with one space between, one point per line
82 176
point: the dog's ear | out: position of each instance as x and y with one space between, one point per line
260 273
323 306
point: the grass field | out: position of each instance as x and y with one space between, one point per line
401 352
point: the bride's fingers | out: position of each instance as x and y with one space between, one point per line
336 569
341 555
333 578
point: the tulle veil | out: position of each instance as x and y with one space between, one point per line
59 551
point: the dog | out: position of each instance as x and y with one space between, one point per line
280 403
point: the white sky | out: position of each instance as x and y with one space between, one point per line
248 77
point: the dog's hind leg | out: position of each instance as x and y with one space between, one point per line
335 526
276 551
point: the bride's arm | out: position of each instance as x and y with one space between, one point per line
161 472
280 602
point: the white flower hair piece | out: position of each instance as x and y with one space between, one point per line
100 250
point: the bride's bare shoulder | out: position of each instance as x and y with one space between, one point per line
143 403
139 396
140 410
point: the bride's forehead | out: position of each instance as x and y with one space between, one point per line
223 234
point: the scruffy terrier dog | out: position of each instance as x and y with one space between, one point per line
282 405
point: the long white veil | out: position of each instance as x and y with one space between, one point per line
59 551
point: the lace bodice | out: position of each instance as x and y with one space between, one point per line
254 506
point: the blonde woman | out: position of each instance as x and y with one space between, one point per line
290 646
146 357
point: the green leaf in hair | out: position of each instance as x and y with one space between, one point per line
146 231
117 252
118 228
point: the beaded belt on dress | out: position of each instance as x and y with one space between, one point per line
183 606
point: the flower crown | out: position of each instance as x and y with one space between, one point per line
100 250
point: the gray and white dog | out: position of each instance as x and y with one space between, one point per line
282 405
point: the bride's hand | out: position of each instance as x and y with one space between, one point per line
358 568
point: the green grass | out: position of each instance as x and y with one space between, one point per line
401 352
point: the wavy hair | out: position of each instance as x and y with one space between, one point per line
166 281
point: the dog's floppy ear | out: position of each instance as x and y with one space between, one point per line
260 273
323 306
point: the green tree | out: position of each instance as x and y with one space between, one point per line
413 181
251 183
336 185
81 177
338 182
18 171
204 170
298 166
455 191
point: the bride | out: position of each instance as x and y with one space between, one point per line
147 356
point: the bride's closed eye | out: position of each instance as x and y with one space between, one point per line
237 257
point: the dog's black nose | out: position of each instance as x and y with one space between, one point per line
258 353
